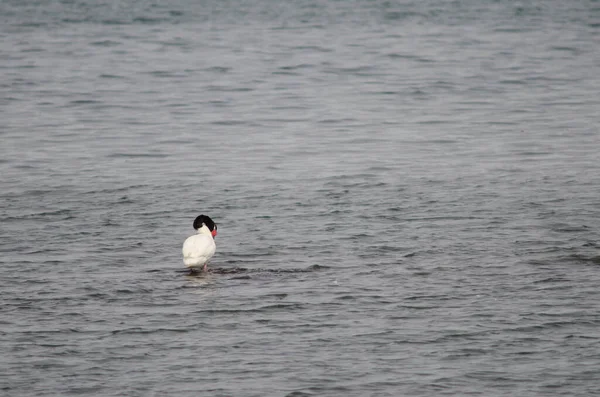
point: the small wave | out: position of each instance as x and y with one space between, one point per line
148 20
79 102
62 214
589 259
110 76
577 258
140 330
312 48
109 22
238 270
297 66
229 122
299 394
551 325
105 43
218 69
244 270
137 155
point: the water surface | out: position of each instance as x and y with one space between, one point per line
406 193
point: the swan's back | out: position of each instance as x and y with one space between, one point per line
198 249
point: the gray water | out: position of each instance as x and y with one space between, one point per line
407 196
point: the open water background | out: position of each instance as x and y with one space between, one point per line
407 196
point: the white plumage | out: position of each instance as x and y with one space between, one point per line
199 248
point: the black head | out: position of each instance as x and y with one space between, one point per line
207 221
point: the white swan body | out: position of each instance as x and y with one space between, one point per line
199 248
